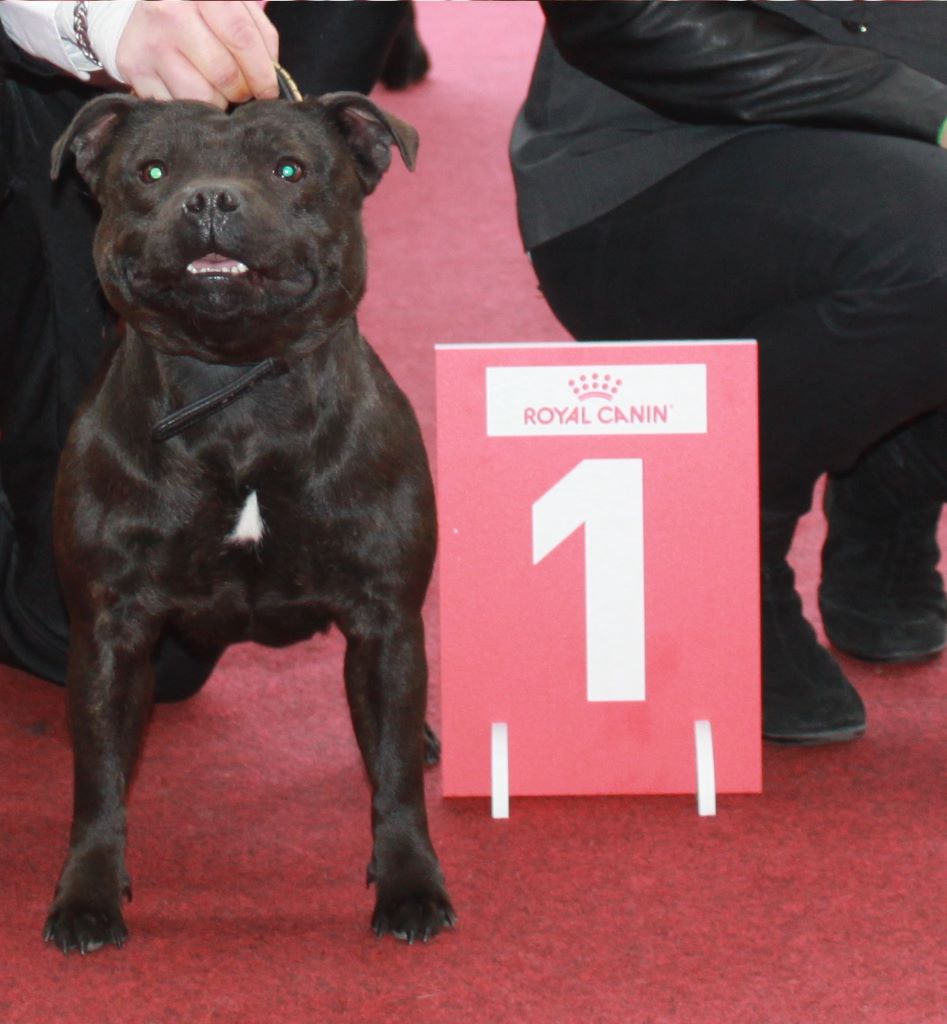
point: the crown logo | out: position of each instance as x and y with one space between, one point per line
595 385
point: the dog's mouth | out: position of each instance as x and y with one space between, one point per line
216 284
213 264
218 268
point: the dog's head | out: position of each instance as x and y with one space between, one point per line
233 236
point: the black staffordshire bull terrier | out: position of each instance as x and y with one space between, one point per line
246 469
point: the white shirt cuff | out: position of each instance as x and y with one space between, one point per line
31 24
107 21
43 28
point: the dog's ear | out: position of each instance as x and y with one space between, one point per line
90 135
370 131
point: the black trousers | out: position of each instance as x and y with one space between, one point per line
826 246
54 321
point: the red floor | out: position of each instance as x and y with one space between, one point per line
821 900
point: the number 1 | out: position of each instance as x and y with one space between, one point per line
605 496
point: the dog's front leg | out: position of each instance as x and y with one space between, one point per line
386 682
110 690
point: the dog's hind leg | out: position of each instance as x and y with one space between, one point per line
386 683
110 691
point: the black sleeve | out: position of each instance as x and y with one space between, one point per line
12 57
716 61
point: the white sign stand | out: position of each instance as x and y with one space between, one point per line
706 775
500 770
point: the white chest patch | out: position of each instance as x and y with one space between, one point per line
250 527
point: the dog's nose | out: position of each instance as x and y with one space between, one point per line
208 200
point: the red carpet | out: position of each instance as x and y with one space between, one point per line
820 901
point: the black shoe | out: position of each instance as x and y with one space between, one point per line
806 697
881 596
407 61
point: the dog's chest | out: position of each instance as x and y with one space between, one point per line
259 566
273 559
248 527
265 525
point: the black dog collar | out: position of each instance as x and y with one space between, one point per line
181 419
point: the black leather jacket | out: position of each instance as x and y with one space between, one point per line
17 66
626 93
755 63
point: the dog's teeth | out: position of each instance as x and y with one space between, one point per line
234 268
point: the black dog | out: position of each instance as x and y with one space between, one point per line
246 467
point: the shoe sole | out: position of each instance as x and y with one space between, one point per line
882 657
817 739
928 641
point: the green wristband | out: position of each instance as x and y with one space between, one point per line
942 135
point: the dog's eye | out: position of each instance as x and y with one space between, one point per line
289 170
152 171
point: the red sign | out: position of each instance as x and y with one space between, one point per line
599 564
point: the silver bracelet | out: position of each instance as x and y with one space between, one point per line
80 25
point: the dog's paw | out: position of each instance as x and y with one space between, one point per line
83 926
413 915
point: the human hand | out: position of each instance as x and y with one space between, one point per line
218 51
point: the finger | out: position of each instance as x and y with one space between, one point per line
170 41
205 51
218 68
268 30
240 31
186 82
148 87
